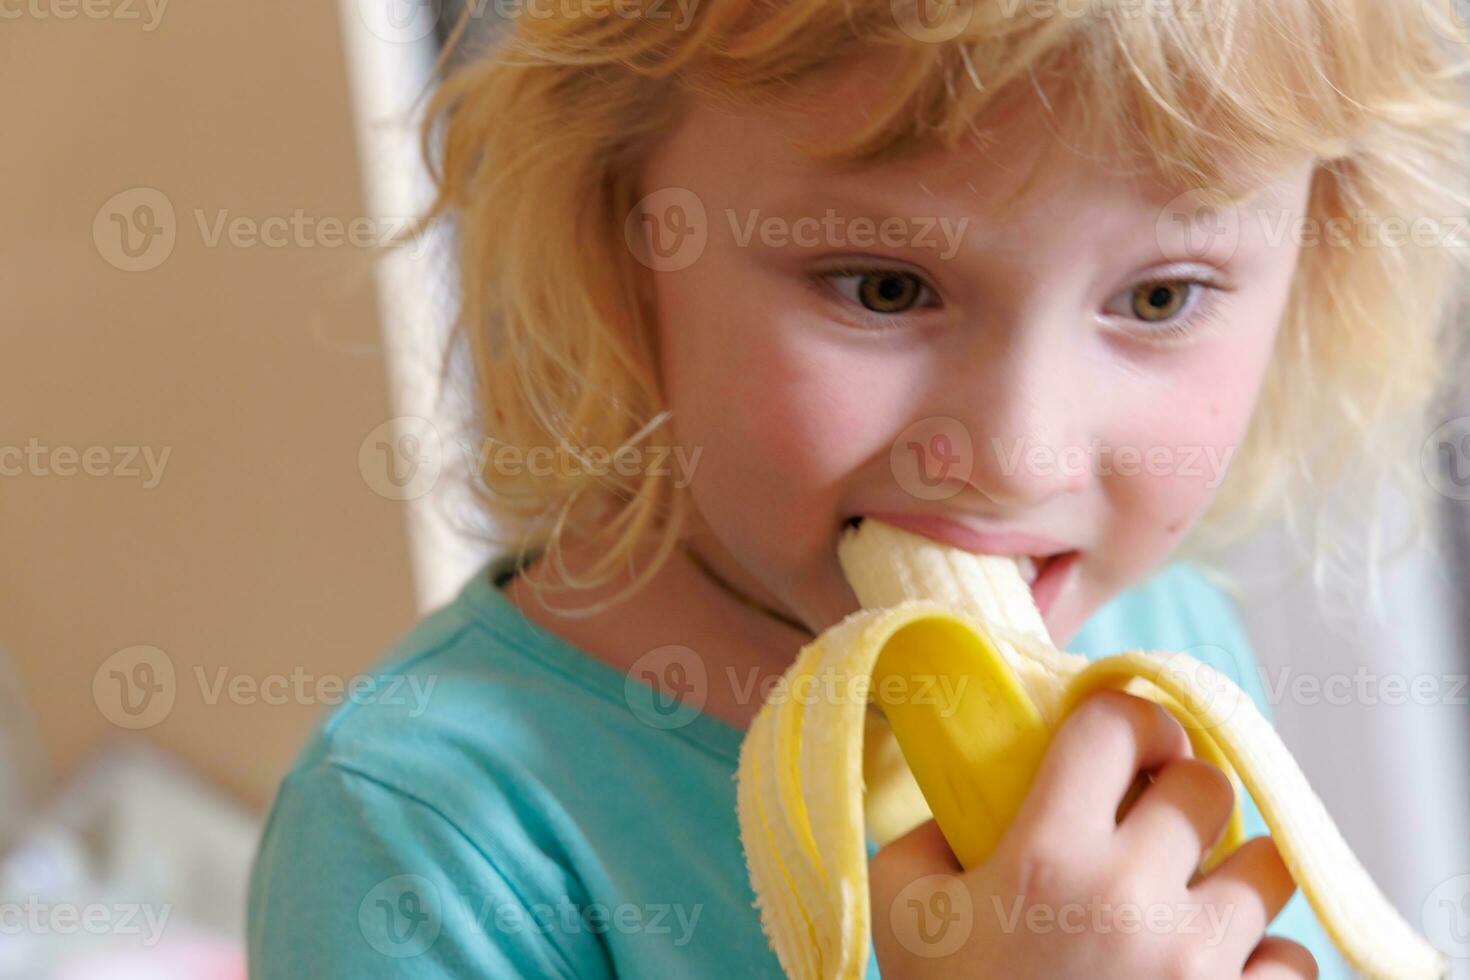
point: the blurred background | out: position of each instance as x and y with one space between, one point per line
220 501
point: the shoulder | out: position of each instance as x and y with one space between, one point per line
472 701
357 878
456 723
425 789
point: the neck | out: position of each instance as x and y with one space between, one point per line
693 601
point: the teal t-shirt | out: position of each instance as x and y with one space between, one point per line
497 805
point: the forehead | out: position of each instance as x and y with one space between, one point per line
1018 167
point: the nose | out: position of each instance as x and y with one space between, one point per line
1024 400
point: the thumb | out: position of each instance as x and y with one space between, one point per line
922 851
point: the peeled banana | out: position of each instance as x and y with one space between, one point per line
950 649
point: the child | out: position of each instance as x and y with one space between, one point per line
1029 278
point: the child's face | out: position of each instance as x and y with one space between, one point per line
1040 336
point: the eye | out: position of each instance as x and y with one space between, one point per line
886 292
1168 309
1155 302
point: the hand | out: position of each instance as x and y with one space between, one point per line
1072 890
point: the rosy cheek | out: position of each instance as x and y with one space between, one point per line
781 413
1192 419
815 413
1175 470
761 428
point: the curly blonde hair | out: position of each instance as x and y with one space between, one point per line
536 148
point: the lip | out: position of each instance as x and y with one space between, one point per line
1050 578
980 542
1055 559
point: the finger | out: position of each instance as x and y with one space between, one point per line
915 881
1251 886
1092 760
922 851
1179 816
1278 958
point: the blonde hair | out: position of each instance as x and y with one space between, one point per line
536 148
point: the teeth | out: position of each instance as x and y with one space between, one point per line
1027 567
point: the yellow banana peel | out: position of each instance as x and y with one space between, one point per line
951 650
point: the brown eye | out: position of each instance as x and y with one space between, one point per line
889 292
1158 301
886 296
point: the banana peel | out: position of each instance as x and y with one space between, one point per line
950 649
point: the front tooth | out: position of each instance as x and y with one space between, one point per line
1027 567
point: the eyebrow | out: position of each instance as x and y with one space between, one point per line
866 204
1172 240
979 237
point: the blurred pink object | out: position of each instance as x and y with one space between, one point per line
194 958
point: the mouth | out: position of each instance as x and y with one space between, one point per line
1045 565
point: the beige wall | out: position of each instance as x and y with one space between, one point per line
262 549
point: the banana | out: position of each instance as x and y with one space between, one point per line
953 654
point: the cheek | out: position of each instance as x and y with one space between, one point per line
778 429
781 419
1179 456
